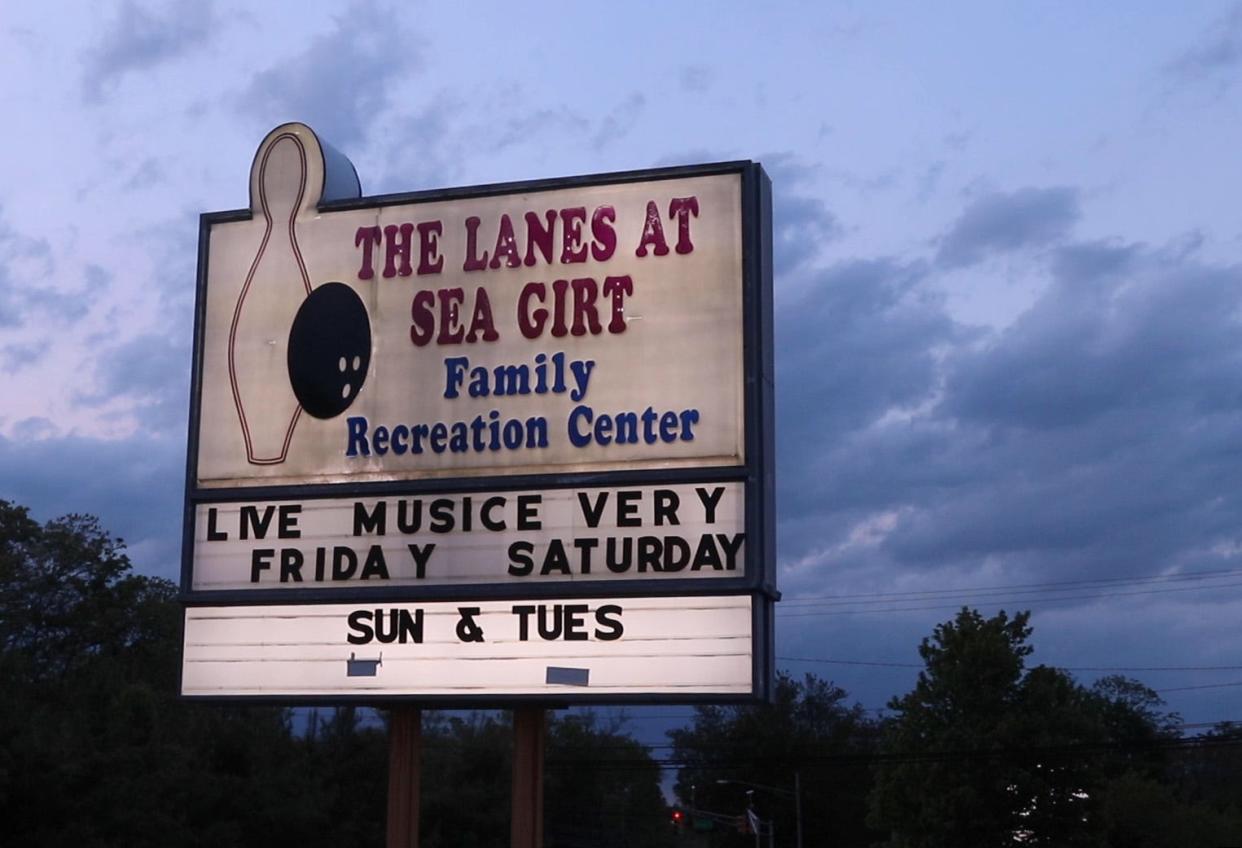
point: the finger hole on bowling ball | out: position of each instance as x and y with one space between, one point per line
330 332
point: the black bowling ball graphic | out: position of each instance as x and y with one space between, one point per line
329 350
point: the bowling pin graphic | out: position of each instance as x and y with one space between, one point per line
291 175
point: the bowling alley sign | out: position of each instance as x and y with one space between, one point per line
481 444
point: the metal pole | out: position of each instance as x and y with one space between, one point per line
529 733
405 747
798 804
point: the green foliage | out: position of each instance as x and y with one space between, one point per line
467 761
964 705
1211 770
808 729
601 788
985 752
1137 811
97 751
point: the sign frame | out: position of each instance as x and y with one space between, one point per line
756 473
762 668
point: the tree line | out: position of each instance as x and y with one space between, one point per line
96 749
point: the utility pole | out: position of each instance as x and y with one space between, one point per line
796 794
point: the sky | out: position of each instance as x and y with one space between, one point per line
1008 275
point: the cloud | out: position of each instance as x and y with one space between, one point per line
1001 223
801 222
146 175
343 81
1119 330
1100 435
23 262
860 344
140 38
1217 52
417 150
15 357
133 485
695 79
1107 422
617 123
532 124
172 245
149 375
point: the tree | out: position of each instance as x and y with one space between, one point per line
467 760
985 752
1139 811
601 788
94 747
97 750
951 782
808 729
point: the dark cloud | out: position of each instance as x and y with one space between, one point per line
145 175
1000 223
618 122
860 343
528 125
1118 331
695 79
17 356
929 181
421 150
25 263
1217 52
62 307
344 80
1107 421
150 373
172 245
133 485
139 39
801 222
1099 435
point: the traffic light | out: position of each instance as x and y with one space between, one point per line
678 818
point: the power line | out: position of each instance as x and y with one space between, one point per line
925 594
1041 752
878 664
1202 686
1006 601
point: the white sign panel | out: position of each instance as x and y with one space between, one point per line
550 647
574 329
522 537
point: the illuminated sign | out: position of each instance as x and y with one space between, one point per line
503 397
570 329
599 649
522 538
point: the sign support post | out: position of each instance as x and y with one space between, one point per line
530 730
405 748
